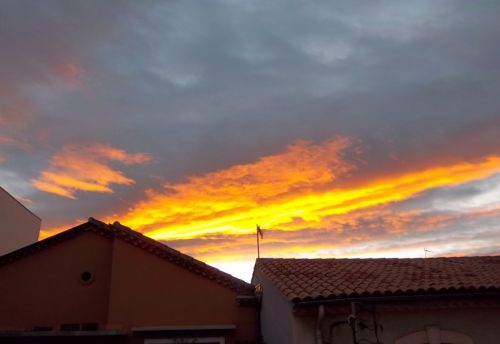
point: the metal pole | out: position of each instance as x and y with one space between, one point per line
258 242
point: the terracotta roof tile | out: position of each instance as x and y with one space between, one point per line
306 279
117 230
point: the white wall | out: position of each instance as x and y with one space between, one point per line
276 314
481 324
18 226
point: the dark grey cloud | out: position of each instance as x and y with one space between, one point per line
480 194
205 85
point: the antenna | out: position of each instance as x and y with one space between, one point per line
427 251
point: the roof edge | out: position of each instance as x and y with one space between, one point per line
124 233
186 258
22 205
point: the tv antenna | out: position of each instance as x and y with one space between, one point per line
427 251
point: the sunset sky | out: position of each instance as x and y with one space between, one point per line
344 129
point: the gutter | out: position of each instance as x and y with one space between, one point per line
34 334
396 298
221 327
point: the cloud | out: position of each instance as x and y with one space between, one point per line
210 89
14 108
69 71
11 141
376 232
380 231
5 140
303 187
86 168
311 204
324 51
12 115
479 194
222 200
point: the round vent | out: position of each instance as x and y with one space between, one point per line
86 277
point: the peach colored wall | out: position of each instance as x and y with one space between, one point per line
147 290
45 289
132 288
18 226
246 323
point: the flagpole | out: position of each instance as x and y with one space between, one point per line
258 242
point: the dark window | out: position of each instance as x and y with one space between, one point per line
70 327
42 328
90 327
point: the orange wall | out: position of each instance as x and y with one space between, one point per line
45 289
132 288
147 290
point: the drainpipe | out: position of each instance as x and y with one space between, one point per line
319 320
258 295
352 321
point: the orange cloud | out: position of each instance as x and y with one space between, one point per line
6 140
288 191
305 196
374 232
14 109
69 71
234 199
10 141
13 115
86 168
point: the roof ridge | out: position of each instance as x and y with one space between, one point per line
41 244
373 258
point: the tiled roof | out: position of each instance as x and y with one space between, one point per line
318 279
117 230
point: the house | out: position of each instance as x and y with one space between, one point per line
390 301
105 283
18 225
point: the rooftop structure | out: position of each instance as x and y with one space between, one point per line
18 225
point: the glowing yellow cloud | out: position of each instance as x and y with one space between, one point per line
286 191
86 168
232 200
305 194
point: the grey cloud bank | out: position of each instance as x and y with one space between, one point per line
205 85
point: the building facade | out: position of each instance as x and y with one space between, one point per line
102 283
390 301
18 225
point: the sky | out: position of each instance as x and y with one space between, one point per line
343 129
